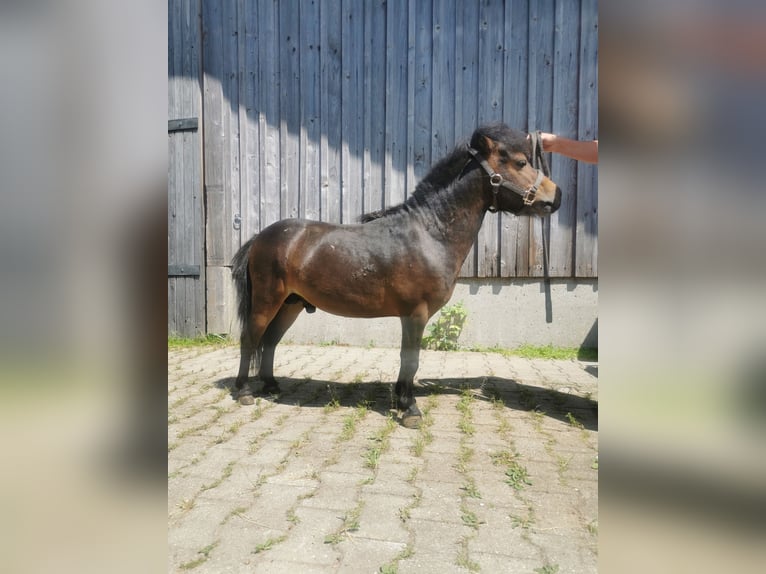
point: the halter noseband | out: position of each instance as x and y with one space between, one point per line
496 180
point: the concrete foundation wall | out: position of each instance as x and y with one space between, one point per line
501 312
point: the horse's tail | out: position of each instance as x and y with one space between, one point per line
241 276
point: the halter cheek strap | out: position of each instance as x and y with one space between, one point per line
497 180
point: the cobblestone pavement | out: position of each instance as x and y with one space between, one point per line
501 476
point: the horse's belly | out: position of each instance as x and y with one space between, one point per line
350 297
352 275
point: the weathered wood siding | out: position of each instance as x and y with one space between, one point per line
186 240
326 109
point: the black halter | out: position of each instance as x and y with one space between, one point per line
496 180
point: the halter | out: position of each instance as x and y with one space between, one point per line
496 180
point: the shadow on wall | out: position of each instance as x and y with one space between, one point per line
589 348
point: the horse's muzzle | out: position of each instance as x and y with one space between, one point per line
550 207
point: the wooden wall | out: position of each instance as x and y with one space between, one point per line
186 238
327 109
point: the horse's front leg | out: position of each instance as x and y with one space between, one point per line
412 334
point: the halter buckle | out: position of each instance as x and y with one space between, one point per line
496 179
531 193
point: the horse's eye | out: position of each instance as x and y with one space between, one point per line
521 163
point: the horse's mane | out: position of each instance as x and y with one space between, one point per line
442 174
450 168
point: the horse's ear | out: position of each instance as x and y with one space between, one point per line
482 143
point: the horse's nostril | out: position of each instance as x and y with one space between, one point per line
557 199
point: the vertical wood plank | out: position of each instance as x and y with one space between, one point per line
194 34
514 231
423 89
268 118
190 229
491 68
443 74
352 108
519 115
586 240
251 195
242 116
172 315
175 48
375 104
213 102
541 14
173 228
184 304
309 124
397 70
330 109
466 90
231 129
564 122
289 110
411 180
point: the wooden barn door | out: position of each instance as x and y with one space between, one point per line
186 231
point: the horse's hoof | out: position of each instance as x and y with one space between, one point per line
412 420
271 390
246 400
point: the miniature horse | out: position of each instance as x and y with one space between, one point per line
400 262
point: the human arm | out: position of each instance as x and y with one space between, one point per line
581 150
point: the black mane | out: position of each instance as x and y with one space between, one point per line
441 175
451 167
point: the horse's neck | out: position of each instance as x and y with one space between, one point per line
458 220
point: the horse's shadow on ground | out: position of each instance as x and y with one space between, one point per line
379 396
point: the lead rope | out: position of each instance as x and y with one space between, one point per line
539 162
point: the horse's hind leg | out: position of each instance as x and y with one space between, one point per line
250 345
286 316
247 349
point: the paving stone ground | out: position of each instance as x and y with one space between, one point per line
501 476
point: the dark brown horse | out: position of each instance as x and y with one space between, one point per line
401 262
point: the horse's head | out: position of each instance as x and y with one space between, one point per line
515 186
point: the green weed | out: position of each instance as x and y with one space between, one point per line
393 566
205 554
175 342
469 518
350 524
463 559
444 332
543 352
523 521
239 511
470 488
224 475
381 443
517 476
503 458
464 406
574 422
269 544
